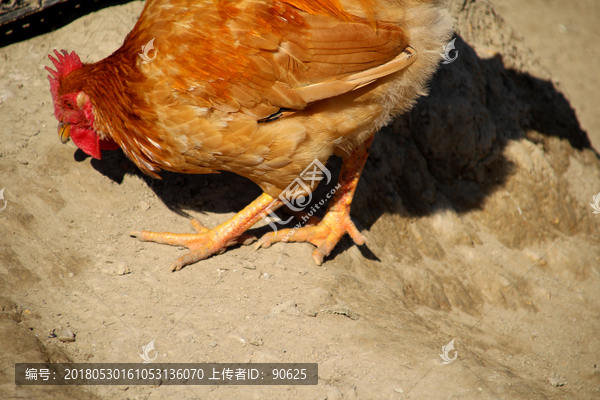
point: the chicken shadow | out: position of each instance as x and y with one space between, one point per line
451 143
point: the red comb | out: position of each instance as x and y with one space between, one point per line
64 63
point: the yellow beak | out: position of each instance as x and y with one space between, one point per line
64 131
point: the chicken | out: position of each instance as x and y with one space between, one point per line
264 89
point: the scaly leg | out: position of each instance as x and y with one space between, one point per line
207 242
327 233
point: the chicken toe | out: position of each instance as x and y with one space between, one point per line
325 235
207 242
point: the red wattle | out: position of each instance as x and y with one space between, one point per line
87 140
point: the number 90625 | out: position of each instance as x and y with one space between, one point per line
297 374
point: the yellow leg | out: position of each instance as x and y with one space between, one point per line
207 242
328 232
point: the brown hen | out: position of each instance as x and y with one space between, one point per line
264 89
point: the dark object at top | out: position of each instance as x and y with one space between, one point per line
23 19
11 10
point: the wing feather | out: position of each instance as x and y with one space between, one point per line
257 57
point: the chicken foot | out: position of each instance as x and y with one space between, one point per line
207 242
330 230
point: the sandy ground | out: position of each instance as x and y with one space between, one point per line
520 301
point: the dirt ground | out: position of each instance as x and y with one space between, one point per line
486 239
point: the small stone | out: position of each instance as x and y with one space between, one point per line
286 306
123 269
535 258
399 390
66 335
213 344
71 274
256 342
343 310
247 264
311 313
144 206
24 162
555 381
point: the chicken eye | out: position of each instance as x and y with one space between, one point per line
68 104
